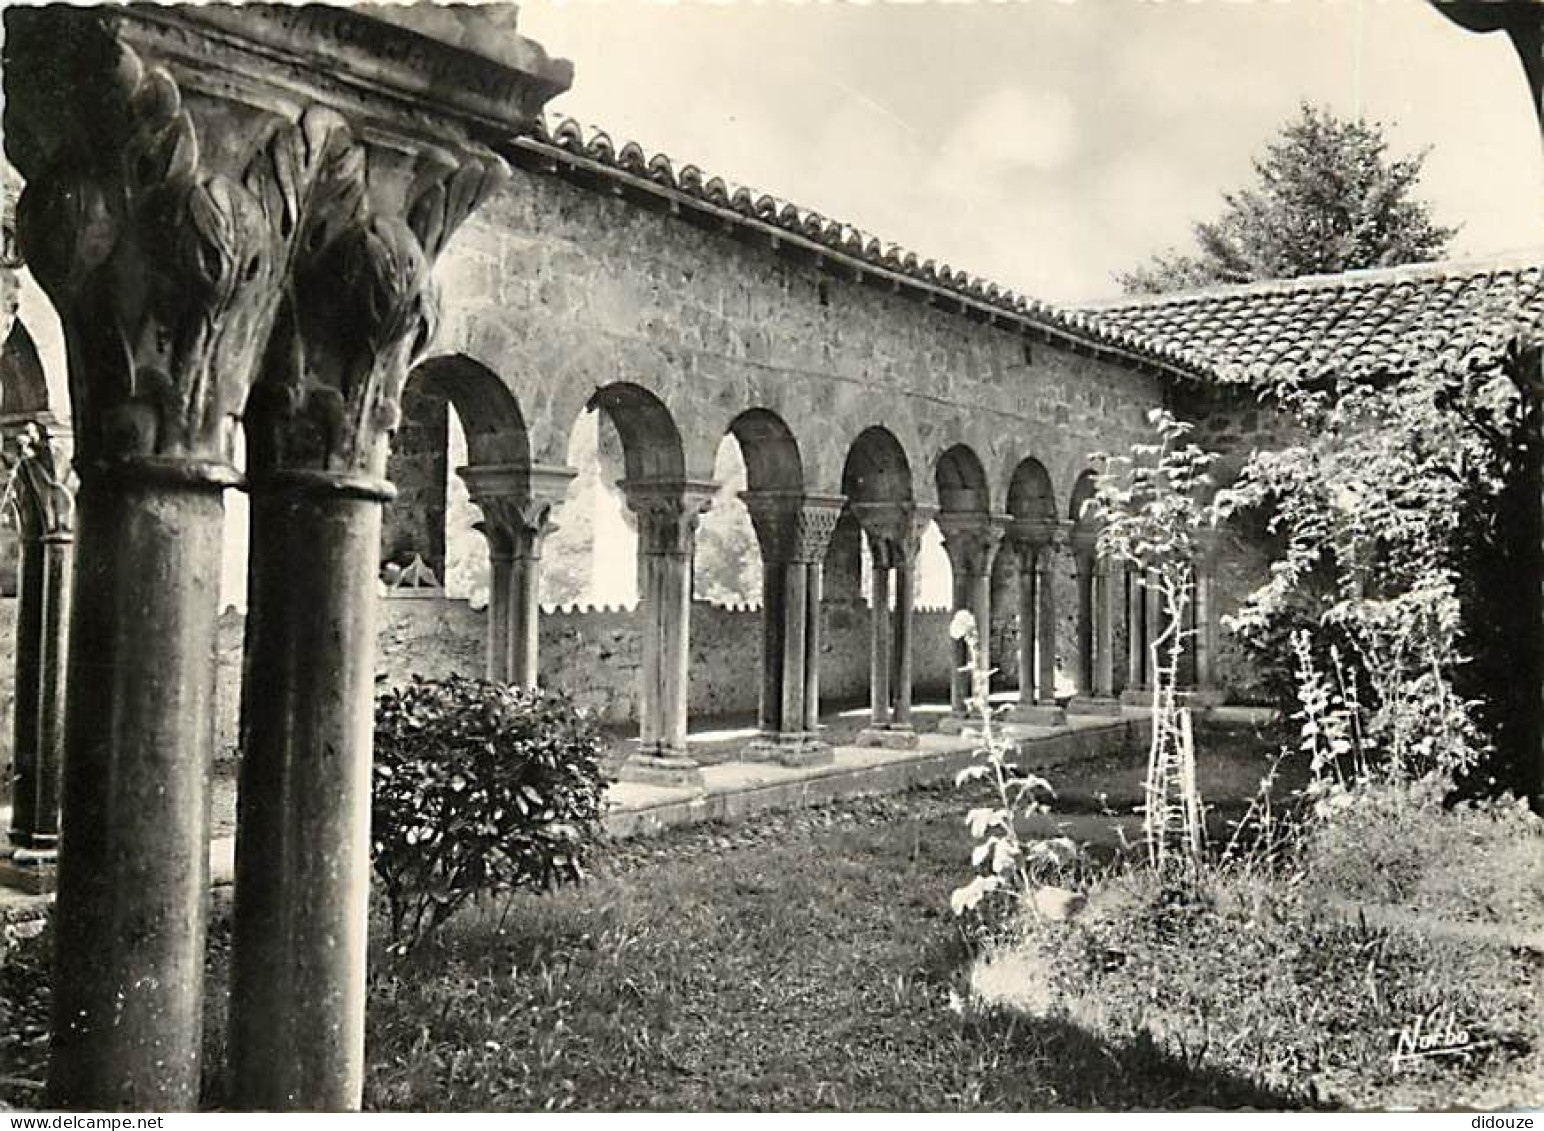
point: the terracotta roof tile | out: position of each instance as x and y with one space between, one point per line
1381 317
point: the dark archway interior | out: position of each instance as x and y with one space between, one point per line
1029 492
961 482
771 454
876 470
490 418
651 443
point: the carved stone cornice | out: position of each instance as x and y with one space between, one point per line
667 510
39 484
517 500
792 526
422 68
894 530
971 540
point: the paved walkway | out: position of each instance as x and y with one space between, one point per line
734 790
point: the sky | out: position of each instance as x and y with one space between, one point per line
1046 144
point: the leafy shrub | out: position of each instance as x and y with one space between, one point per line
1265 984
479 788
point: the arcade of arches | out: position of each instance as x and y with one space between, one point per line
275 284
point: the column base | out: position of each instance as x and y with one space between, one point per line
1106 705
32 870
958 724
1137 696
796 748
1038 715
1203 698
661 768
890 736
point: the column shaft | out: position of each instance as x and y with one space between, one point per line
1135 625
1106 609
26 704
773 633
905 590
500 600
525 619
302 857
1029 622
814 586
1206 630
139 735
1045 681
879 646
791 674
959 679
981 609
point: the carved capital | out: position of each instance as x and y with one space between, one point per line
161 254
39 485
360 310
517 501
667 512
894 530
971 540
1031 535
791 526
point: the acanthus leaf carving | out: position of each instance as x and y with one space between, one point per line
164 272
361 308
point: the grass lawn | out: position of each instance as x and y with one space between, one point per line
808 960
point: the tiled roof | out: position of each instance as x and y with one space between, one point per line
591 158
1380 318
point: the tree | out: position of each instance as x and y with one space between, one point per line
1327 198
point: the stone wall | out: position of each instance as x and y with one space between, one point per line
594 655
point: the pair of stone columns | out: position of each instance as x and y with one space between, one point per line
1146 619
218 245
667 512
894 533
44 504
793 531
1098 610
972 541
1034 542
516 501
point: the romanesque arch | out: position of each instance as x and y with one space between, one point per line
877 481
971 536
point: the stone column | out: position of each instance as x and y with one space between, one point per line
162 257
894 531
359 314
793 531
1107 599
667 512
197 210
517 501
1096 631
971 540
44 505
1034 540
1206 692
1137 691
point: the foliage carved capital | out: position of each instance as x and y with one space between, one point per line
161 252
39 484
667 512
894 531
971 540
359 310
517 501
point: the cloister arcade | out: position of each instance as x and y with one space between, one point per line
316 228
